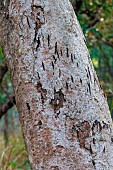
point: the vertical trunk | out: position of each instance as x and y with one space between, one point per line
63 111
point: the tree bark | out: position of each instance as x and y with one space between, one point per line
63 110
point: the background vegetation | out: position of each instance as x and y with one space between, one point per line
96 19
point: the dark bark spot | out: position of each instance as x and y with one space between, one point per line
96 128
57 114
58 100
77 64
28 106
54 168
42 91
83 133
37 11
40 123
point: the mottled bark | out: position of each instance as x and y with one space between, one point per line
63 110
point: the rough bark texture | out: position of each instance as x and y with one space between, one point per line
63 110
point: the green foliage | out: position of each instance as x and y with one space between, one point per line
1 55
14 156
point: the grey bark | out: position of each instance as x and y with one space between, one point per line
63 110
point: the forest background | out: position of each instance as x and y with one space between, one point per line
96 20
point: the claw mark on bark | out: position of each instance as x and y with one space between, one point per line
72 57
43 66
52 65
72 79
28 22
38 43
56 48
66 85
54 59
93 162
61 52
48 40
59 72
38 75
89 88
35 36
80 80
89 73
67 52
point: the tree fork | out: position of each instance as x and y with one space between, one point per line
63 110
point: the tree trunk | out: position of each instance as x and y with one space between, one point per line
63 110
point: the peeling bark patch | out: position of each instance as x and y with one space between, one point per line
58 100
83 133
42 91
38 12
96 127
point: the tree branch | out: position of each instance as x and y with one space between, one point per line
3 70
5 107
